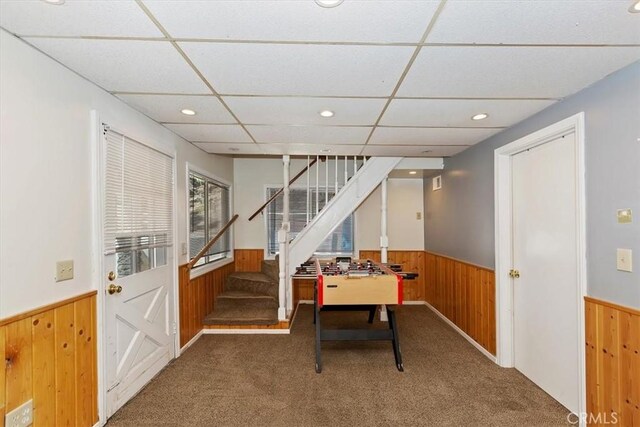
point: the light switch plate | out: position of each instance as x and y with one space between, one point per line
64 270
22 416
624 216
624 260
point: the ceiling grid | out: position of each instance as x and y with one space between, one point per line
258 73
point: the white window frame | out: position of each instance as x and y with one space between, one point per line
210 266
268 255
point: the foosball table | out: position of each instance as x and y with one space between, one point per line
344 284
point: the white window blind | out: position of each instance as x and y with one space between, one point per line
138 195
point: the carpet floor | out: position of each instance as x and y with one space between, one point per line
269 380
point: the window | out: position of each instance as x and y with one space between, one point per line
138 204
340 242
208 212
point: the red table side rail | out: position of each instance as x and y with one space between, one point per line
320 290
400 290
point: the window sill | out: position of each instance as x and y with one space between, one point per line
204 269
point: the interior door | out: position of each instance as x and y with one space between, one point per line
546 295
137 265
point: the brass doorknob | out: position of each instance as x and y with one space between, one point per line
514 274
113 288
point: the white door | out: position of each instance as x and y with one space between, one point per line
137 265
546 295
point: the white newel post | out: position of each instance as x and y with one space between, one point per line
384 239
283 241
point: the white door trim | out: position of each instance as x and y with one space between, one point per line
97 256
503 238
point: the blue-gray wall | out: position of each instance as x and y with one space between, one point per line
459 219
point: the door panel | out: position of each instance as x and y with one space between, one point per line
546 313
137 265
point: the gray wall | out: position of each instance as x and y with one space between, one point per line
459 218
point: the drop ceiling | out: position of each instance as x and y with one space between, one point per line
402 77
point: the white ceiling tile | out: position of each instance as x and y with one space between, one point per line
310 134
536 22
267 69
166 108
305 111
125 66
312 149
521 72
122 18
230 149
430 136
457 112
210 133
363 21
413 150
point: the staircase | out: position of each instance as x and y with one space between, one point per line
265 297
249 298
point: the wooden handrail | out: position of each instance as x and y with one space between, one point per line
211 242
272 198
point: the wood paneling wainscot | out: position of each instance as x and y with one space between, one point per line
248 259
465 294
414 290
50 356
612 335
197 298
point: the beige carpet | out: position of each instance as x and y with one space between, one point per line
262 380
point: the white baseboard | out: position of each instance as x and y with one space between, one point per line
244 331
463 333
191 341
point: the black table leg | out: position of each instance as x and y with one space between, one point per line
391 312
372 313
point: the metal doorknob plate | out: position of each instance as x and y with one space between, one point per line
113 289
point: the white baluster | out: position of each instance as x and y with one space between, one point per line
346 174
317 185
336 177
355 165
326 180
308 209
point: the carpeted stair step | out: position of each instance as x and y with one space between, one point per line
243 308
257 283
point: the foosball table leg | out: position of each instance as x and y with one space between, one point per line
395 340
372 313
316 316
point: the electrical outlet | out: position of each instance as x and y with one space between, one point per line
22 416
624 261
64 270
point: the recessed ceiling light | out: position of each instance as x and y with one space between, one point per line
56 2
635 7
326 150
412 172
234 149
188 112
326 113
480 116
329 3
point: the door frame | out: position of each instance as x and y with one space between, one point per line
504 238
96 121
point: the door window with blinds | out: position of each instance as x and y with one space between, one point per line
340 242
209 211
138 204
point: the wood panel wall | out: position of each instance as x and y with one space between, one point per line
50 356
197 298
248 259
414 290
465 294
612 335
